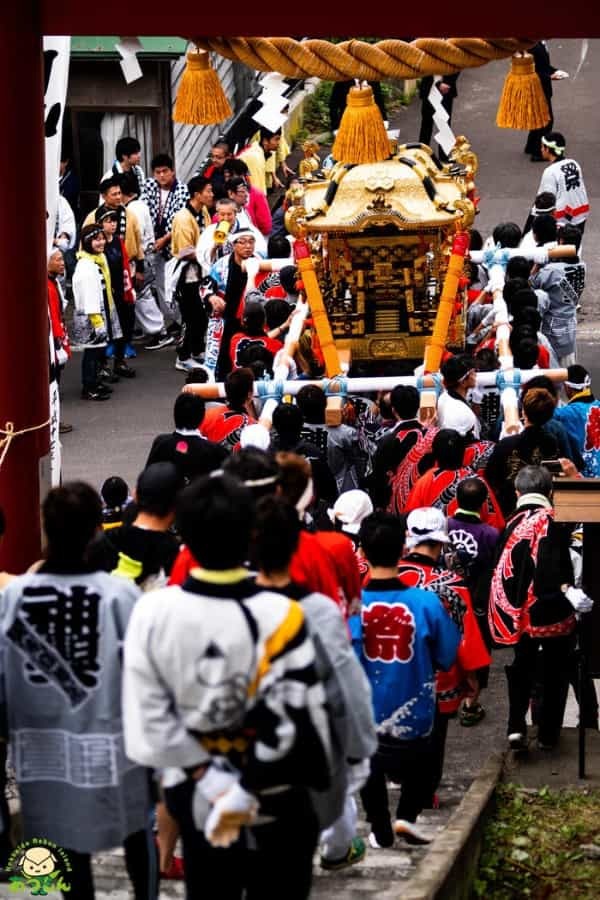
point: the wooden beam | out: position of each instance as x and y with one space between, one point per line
468 18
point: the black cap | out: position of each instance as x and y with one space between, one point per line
157 487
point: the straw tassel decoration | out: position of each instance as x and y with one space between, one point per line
362 137
523 104
200 98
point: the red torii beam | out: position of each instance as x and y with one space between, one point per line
23 309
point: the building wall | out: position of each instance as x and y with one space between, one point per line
192 143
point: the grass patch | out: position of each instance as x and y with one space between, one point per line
533 846
316 112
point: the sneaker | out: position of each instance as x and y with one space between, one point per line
159 341
517 741
186 365
174 328
471 715
411 832
381 840
93 394
64 428
355 853
103 388
123 370
129 352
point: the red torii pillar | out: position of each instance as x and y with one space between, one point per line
23 304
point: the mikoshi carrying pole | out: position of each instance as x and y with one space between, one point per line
345 386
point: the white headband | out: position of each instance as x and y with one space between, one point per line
552 145
587 382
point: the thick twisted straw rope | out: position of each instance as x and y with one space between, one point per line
390 58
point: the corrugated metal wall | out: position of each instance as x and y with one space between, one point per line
193 142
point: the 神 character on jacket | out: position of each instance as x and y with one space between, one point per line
62 630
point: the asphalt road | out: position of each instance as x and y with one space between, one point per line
114 437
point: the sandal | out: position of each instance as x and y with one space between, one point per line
471 715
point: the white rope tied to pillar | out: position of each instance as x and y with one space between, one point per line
9 434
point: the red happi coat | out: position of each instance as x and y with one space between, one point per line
438 487
477 454
310 567
525 595
408 472
416 570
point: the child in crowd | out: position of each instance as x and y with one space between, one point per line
115 497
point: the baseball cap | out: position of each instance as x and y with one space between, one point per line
426 524
350 509
157 486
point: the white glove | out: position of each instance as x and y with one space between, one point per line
496 282
579 600
281 262
538 255
62 357
252 267
214 782
233 809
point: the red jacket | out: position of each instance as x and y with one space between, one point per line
437 487
418 571
311 567
345 563
57 322
241 340
259 211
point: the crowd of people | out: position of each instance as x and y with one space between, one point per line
153 242
284 615
264 630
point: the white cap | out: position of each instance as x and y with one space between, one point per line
455 414
255 435
426 524
350 509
